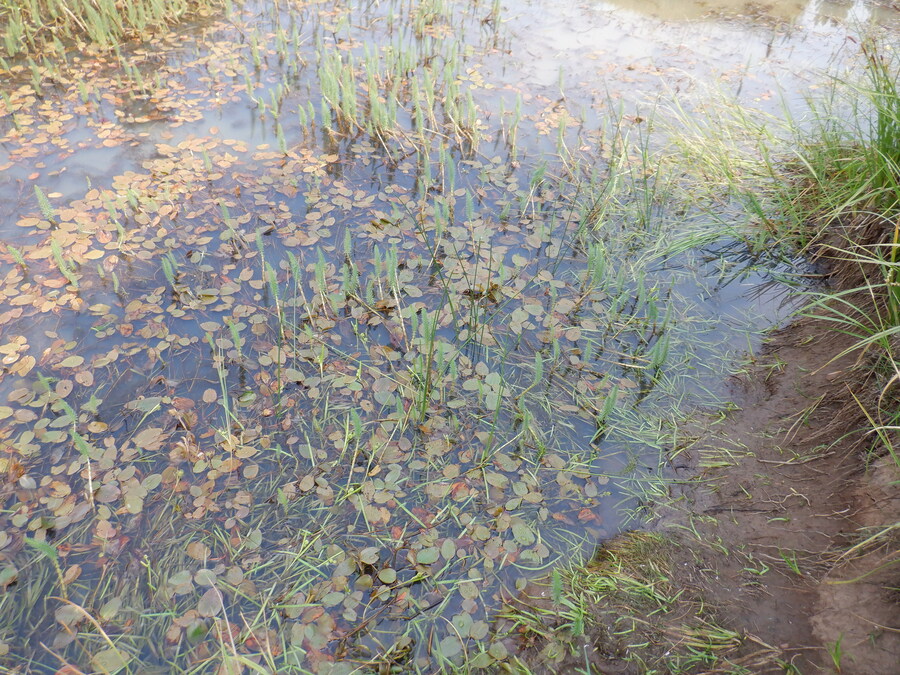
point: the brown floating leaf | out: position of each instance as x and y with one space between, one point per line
110 661
198 550
210 602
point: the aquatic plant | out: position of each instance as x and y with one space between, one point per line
354 373
27 27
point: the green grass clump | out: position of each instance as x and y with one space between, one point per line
829 186
627 605
848 163
28 26
848 193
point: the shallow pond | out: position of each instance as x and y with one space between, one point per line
325 326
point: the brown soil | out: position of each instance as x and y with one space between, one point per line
793 480
809 487
801 487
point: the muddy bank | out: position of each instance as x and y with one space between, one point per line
776 553
325 327
793 506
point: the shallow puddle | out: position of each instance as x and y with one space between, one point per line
325 328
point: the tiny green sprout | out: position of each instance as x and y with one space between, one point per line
836 652
62 263
790 559
557 586
47 210
17 256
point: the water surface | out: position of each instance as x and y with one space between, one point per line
327 326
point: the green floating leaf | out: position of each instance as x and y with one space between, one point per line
450 646
427 556
110 661
448 549
523 534
498 651
8 575
72 361
482 660
479 630
469 590
254 539
196 631
369 556
205 577
133 503
462 622
110 609
146 405
68 615
151 482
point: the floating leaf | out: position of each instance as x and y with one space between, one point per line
133 503
482 660
210 602
150 438
448 549
198 550
428 556
479 630
71 361
254 538
468 589
110 660
151 482
369 555
8 575
498 651
450 646
110 609
523 534
205 577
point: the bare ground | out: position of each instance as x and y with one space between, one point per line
802 490
792 486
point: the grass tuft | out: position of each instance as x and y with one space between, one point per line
30 27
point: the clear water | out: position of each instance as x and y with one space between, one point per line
318 394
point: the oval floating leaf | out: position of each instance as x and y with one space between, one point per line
427 556
369 555
210 602
110 660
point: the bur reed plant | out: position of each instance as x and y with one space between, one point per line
33 26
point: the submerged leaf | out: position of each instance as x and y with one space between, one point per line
210 602
110 661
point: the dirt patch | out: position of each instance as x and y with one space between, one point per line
783 531
795 501
801 524
643 611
